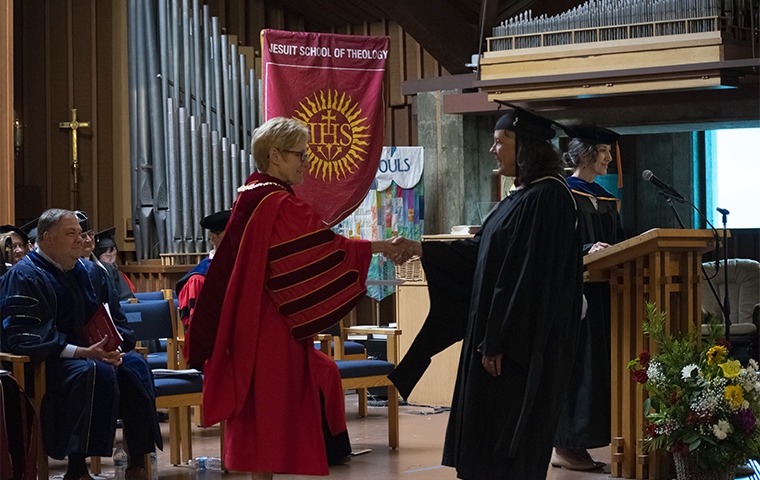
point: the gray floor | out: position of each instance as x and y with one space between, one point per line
418 457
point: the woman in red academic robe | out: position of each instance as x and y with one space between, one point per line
279 277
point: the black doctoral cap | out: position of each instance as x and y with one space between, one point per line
31 229
84 222
16 230
521 121
216 222
105 239
592 134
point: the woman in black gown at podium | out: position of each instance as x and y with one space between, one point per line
585 420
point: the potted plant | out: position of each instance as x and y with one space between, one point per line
702 406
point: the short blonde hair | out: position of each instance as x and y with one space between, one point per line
280 133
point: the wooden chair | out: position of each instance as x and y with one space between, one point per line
18 363
362 374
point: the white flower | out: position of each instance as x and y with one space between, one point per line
753 364
688 370
721 429
654 373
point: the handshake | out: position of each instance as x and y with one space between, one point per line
397 249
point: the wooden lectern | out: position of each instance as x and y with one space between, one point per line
662 266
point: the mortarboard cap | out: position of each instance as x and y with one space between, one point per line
31 229
524 122
16 230
105 239
592 134
216 222
84 222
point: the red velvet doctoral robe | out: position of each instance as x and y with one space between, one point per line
278 278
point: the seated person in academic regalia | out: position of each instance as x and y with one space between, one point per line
88 235
189 287
19 244
87 387
106 253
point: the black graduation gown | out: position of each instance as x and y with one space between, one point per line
585 419
83 397
121 287
525 302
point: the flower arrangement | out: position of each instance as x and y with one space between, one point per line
701 404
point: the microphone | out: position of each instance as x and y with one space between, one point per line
667 189
722 210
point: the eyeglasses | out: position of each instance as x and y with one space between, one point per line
304 156
89 233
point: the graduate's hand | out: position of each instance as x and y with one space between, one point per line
492 364
412 247
97 352
598 246
396 251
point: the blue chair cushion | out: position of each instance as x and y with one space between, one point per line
363 368
351 348
149 296
157 360
178 385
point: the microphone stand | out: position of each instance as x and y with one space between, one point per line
670 199
726 304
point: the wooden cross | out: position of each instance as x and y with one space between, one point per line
74 125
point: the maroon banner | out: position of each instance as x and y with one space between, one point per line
333 84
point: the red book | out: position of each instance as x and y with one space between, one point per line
100 325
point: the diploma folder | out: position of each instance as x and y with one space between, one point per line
100 325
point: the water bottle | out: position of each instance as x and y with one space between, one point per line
153 466
120 462
207 463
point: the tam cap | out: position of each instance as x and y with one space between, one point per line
216 222
84 222
524 122
30 229
592 134
105 239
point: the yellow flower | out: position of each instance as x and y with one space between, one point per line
716 354
731 368
735 395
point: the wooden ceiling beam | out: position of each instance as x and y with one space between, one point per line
438 28
373 13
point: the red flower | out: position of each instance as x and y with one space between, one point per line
644 358
674 397
681 449
724 343
640 376
693 419
652 430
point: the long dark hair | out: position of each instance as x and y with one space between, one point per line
536 158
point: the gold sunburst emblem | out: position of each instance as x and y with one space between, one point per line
337 140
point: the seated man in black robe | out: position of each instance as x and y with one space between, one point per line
45 302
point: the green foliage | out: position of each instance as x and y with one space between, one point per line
699 400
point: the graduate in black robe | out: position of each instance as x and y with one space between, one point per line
514 292
45 301
105 255
585 420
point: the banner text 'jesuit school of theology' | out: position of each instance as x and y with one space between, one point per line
303 51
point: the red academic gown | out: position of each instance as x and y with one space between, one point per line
279 277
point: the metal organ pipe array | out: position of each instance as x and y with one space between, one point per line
603 20
193 104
